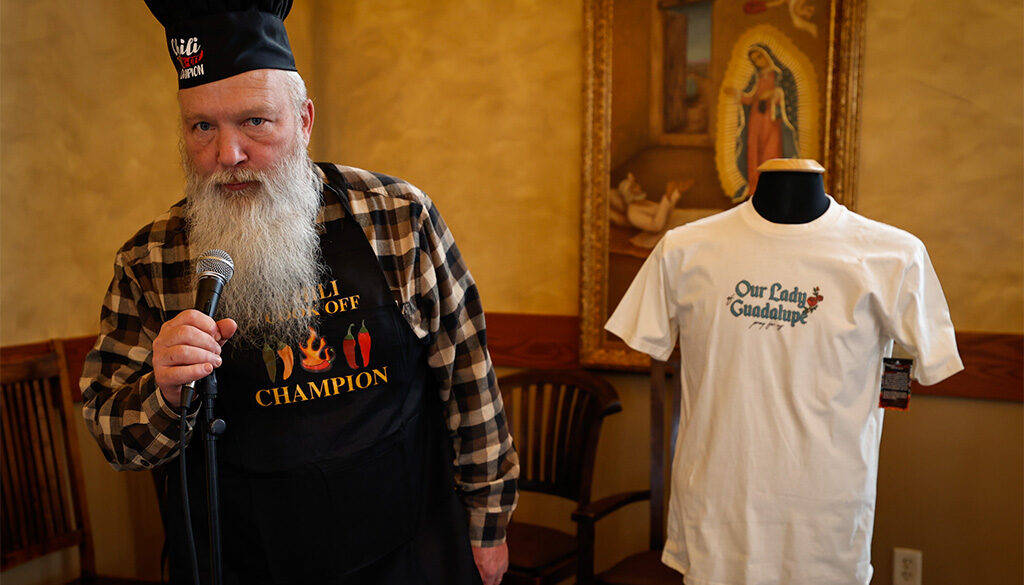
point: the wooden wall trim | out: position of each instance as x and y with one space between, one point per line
534 341
993 362
993 369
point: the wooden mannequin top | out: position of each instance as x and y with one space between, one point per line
790 191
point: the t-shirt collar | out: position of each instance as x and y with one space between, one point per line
754 220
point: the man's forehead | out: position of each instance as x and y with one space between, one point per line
257 89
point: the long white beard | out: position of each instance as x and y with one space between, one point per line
271 233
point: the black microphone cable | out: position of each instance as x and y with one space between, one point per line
189 536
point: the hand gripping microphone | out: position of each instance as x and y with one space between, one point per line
215 269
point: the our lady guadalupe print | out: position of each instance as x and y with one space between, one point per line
768 107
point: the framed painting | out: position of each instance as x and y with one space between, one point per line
683 100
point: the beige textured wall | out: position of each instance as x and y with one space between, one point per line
88 151
942 146
479 104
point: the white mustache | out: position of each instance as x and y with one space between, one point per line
224 177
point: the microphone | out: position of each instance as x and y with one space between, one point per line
215 269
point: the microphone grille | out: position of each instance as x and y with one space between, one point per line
217 262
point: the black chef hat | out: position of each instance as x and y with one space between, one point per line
209 40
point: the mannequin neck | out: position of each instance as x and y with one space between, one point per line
790 197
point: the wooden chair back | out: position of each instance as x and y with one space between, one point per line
555 419
43 486
666 396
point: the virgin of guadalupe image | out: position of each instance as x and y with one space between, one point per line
766 117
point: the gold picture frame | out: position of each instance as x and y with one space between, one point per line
677 103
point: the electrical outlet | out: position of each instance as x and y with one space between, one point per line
906 566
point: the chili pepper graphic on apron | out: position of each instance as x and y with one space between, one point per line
364 344
270 360
288 359
348 347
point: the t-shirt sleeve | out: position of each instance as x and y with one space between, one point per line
919 321
644 318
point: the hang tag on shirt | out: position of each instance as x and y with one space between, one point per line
895 384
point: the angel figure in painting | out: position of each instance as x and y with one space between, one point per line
629 206
767 111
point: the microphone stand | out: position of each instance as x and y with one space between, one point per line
212 429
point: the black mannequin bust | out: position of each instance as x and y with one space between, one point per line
790 191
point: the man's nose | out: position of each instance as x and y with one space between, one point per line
230 149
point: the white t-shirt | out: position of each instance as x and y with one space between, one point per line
782 331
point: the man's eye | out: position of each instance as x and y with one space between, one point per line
256 121
204 126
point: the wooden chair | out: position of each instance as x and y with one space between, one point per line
44 508
644 568
555 419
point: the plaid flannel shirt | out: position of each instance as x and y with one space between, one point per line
137 429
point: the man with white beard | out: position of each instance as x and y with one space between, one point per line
250 211
366 440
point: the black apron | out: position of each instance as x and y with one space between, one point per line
335 468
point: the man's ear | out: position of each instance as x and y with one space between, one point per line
307 120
